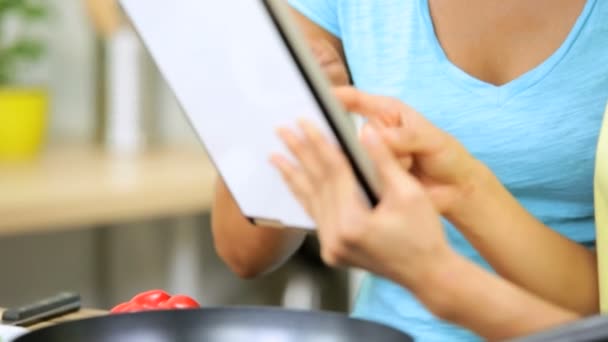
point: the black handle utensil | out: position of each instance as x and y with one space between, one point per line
44 309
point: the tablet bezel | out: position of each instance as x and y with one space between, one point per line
337 118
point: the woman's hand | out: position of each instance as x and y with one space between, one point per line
441 164
467 193
396 239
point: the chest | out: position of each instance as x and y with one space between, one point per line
537 132
497 41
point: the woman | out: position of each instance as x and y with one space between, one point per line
522 85
402 238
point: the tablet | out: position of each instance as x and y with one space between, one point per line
240 69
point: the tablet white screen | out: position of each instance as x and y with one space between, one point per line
237 83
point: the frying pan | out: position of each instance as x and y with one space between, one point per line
219 325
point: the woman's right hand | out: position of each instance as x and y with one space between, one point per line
398 239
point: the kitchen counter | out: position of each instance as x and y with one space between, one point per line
82 314
80 187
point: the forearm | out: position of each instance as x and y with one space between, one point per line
524 250
250 250
247 249
463 293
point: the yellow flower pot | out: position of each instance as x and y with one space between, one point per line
23 120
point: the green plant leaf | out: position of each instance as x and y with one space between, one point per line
7 5
7 69
31 10
26 49
5 75
34 12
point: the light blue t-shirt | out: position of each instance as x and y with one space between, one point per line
537 133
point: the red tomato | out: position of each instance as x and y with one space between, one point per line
127 308
151 299
182 302
155 300
134 307
164 306
120 307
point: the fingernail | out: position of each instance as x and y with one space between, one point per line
370 135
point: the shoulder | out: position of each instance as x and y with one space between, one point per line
322 12
341 15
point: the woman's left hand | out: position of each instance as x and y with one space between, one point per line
394 239
447 171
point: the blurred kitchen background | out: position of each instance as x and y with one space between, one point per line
104 188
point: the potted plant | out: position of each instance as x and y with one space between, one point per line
23 106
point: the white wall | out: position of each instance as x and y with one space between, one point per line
71 75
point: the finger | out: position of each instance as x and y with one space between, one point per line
389 170
382 108
339 184
330 156
327 188
407 130
407 163
399 148
303 151
374 122
401 140
413 139
334 182
297 181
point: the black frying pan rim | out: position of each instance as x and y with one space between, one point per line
228 309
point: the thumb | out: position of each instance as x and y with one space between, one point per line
388 167
415 135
